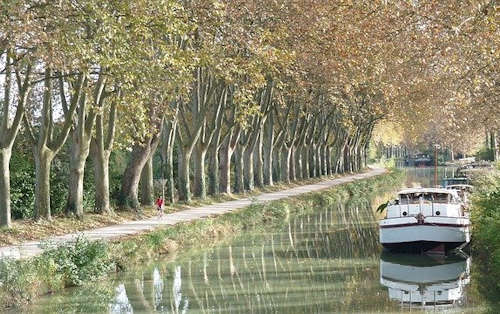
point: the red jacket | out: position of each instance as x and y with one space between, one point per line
159 202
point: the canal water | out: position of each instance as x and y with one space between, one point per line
326 262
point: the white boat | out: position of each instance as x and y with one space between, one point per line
424 282
425 219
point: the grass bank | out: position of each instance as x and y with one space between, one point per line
485 216
85 262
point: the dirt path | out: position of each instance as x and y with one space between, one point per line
32 248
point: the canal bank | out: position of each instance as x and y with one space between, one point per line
86 261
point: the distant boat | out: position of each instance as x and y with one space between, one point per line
425 282
419 160
432 220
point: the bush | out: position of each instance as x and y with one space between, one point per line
18 281
80 261
486 237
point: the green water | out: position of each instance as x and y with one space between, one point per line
326 262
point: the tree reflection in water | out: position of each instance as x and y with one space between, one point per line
327 261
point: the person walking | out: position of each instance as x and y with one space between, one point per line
159 206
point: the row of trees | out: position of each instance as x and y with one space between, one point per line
261 90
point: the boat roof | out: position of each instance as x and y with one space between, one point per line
427 190
456 179
451 186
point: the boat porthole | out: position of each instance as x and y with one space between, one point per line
438 213
404 214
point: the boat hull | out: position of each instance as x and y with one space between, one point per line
415 237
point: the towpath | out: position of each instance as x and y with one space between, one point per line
33 248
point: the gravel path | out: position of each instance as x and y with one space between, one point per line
32 248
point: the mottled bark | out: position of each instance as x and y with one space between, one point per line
304 157
141 153
8 132
259 163
213 169
225 169
268 153
239 175
5 215
80 145
291 165
43 162
46 147
248 169
167 157
183 161
76 172
286 154
101 175
200 185
100 148
131 177
146 182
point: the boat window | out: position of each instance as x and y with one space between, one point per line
404 199
441 198
428 197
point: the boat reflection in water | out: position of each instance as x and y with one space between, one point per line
425 281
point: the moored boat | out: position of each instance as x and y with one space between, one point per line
425 219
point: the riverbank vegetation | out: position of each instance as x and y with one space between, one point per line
486 236
197 98
83 262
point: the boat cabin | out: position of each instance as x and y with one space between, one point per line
426 201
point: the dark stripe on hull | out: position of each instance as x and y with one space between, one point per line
419 246
424 224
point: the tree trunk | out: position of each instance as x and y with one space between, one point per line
78 156
213 169
43 163
305 162
200 185
225 169
167 159
183 172
286 153
146 183
259 165
169 170
313 161
239 170
248 169
298 163
291 165
100 159
276 175
328 160
268 151
132 175
494 146
5 216
324 170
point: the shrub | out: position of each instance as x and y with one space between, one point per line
486 237
80 261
